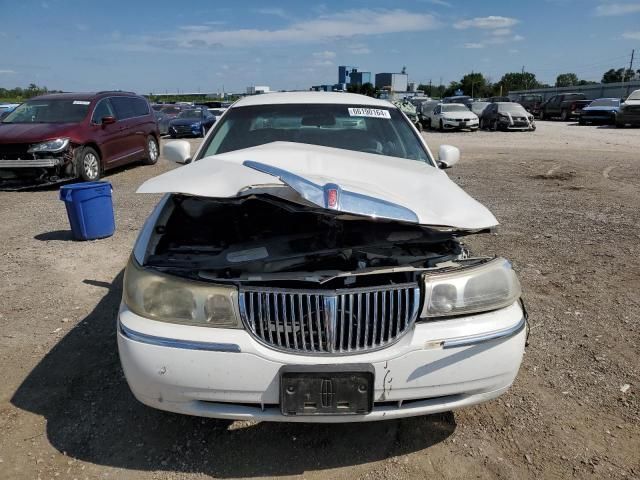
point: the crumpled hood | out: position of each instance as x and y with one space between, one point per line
418 192
35 132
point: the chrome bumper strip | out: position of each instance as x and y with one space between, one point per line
176 343
485 337
30 163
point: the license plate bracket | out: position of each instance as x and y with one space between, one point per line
310 390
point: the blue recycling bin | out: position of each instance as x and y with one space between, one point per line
90 209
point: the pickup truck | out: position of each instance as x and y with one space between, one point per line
530 102
565 106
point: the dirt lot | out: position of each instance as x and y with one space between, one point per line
568 199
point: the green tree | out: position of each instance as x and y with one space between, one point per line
451 89
515 81
475 85
567 80
620 75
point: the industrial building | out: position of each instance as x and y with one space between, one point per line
395 82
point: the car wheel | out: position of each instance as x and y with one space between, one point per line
542 115
619 125
153 151
564 115
419 126
494 125
481 124
89 165
581 121
441 126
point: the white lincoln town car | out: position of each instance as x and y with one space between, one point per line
307 265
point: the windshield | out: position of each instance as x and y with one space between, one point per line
531 98
454 108
213 111
634 96
190 114
605 102
49 111
512 108
383 131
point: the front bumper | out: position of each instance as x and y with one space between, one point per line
460 124
26 173
516 126
224 373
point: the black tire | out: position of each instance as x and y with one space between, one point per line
581 121
564 115
441 126
494 126
419 126
89 165
542 115
619 125
152 151
481 124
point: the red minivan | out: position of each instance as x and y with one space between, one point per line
63 136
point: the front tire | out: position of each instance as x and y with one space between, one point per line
542 115
89 165
564 115
419 126
153 151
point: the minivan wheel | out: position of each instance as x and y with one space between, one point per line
89 165
153 152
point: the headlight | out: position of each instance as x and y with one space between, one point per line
52 146
176 300
486 287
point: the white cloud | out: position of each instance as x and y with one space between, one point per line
326 55
8 72
440 3
277 12
491 22
631 35
615 9
358 49
347 24
474 45
501 32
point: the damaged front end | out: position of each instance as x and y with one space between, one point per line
24 165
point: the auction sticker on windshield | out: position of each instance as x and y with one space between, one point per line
369 112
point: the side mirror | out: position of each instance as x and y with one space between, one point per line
108 120
448 156
178 151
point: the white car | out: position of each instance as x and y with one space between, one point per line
453 116
307 266
217 112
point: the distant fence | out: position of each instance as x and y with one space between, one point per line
599 90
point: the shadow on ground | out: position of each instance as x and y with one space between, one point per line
91 415
60 235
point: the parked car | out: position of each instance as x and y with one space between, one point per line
425 110
307 266
162 120
507 116
530 102
629 113
217 112
453 116
410 111
478 107
172 111
157 106
463 99
566 106
601 110
63 136
191 122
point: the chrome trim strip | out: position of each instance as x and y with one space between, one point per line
175 343
30 163
346 201
485 337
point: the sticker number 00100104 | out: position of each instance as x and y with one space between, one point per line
369 112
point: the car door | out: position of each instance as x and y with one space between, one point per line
106 135
435 116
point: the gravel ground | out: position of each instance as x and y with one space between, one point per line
568 201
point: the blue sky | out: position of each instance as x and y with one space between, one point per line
210 45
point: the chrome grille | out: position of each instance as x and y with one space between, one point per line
330 322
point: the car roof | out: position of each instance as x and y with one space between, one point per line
279 98
81 95
454 104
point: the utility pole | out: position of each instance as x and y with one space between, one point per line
430 89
